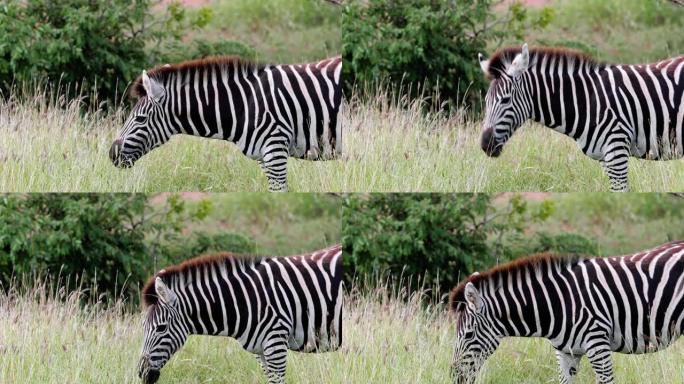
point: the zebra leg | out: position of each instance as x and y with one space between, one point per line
274 359
569 364
274 165
262 363
599 357
614 164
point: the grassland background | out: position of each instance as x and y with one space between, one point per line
49 145
392 145
388 337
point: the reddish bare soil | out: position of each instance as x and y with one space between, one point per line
186 3
531 196
161 197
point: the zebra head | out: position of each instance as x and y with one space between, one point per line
476 336
165 332
145 127
507 106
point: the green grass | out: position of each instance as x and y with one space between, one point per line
281 225
53 147
47 340
625 31
619 223
289 31
393 146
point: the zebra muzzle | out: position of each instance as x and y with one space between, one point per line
116 156
115 151
150 377
489 144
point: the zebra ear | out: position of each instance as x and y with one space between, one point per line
520 63
473 297
165 294
152 87
484 63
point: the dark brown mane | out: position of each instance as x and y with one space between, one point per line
160 72
457 294
503 57
148 293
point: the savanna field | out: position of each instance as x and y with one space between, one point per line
59 144
48 337
48 143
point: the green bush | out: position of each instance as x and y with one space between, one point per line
545 242
92 238
109 242
183 247
101 45
432 239
177 51
427 46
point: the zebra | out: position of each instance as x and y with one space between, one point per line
592 306
270 112
268 304
612 111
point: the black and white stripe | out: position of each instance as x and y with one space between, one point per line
628 304
612 111
269 305
271 112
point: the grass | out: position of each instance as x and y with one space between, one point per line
625 31
392 146
51 146
289 31
48 337
619 223
281 225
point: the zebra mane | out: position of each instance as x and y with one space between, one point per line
161 72
500 60
149 294
457 295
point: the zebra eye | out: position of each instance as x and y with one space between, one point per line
161 328
140 118
468 335
505 100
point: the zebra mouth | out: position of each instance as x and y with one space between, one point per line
118 158
123 163
150 377
489 143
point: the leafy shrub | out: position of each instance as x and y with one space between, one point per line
543 242
112 242
435 238
429 46
177 51
90 236
183 247
101 45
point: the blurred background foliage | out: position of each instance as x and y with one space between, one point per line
433 241
111 243
94 49
428 48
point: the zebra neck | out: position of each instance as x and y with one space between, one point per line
563 92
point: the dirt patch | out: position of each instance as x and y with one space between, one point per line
191 196
526 3
530 196
186 3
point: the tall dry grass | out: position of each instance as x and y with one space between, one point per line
48 336
51 145
392 145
